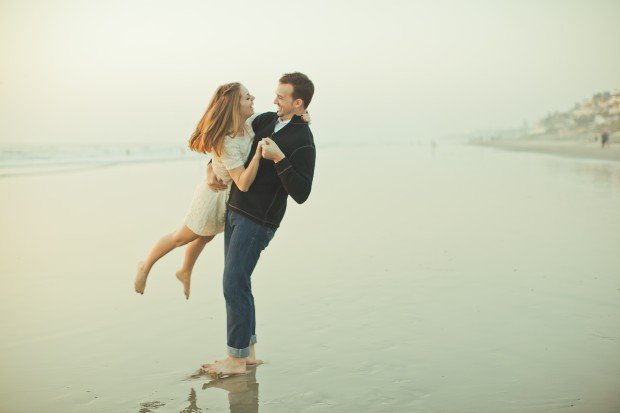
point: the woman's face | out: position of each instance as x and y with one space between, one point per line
247 103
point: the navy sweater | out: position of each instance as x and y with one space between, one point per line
265 201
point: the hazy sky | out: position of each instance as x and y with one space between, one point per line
140 71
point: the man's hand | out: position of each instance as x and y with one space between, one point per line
213 181
271 150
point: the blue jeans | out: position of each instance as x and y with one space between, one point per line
244 240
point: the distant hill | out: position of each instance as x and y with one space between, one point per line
594 115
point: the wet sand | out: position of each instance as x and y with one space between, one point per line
463 279
580 147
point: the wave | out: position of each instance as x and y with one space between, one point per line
17 160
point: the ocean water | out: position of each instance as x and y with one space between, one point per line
17 160
20 160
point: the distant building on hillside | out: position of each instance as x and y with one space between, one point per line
601 111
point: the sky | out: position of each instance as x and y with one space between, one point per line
109 72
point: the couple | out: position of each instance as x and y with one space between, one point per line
257 162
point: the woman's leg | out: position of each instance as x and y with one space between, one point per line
192 251
166 244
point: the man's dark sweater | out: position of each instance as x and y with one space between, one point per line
265 201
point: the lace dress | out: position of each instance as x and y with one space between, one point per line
207 211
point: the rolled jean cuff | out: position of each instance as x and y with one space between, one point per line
253 340
238 352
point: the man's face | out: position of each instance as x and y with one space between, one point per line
285 102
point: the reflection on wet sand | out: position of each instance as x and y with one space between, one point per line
242 393
604 174
193 404
146 407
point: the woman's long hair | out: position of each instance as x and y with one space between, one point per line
222 118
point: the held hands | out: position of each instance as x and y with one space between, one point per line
271 151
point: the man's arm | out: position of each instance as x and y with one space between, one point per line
296 171
213 181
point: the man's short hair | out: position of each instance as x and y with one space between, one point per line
303 88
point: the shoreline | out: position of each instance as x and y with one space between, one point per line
573 146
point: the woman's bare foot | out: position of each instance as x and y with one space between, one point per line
141 275
230 366
185 278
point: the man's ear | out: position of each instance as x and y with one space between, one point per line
298 103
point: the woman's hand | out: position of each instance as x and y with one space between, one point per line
213 181
306 117
259 149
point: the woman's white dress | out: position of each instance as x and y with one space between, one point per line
207 211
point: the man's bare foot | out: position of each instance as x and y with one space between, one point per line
248 363
185 278
204 367
230 366
251 359
141 275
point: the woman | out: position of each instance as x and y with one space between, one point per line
225 132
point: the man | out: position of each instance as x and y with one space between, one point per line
605 139
252 217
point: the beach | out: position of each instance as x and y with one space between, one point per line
579 146
455 279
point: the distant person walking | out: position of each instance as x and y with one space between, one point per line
605 139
